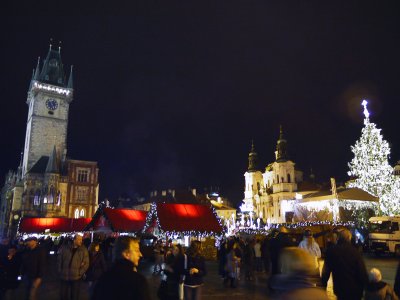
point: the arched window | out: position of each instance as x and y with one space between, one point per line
82 214
76 215
288 178
50 198
277 178
59 198
36 199
282 180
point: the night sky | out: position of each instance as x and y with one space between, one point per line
171 97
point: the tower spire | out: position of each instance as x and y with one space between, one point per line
281 145
70 84
53 70
253 157
52 166
37 70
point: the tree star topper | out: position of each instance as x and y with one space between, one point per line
366 113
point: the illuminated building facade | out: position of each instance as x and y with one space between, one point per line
47 183
268 195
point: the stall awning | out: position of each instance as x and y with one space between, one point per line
52 225
118 220
187 217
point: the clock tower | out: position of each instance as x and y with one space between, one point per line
49 96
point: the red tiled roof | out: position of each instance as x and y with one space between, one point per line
187 217
40 225
124 220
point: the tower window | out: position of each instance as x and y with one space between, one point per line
81 194
76 214
83 175
288 178
277 178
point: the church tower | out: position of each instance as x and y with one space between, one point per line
49 96
253 182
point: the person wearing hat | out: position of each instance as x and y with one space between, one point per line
33 267
311 246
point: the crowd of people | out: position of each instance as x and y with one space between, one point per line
292 268
23 264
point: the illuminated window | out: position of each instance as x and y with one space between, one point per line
36 199
76 215
82 214
59 199
83 175
50 198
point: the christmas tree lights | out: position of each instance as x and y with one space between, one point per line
371 170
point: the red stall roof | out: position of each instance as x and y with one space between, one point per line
54 225
187 217
118 219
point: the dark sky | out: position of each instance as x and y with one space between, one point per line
169 96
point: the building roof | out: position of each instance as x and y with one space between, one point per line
187 217
342 194
40 165
53 225
118 219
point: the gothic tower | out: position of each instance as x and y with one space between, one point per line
49 96
281 148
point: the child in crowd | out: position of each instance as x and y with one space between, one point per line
378 289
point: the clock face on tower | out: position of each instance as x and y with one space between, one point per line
51 104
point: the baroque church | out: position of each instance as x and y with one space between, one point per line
280 195
268 194
47 183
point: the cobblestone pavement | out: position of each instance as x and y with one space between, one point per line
213 288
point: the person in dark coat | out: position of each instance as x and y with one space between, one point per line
122 281
10 271
347 266
397 280
97 265
221 254
196 270
174 272
279 241
33 267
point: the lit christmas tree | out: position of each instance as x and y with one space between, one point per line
371 170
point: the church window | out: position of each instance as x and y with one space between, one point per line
59 199
282 180
76 214
45 200
277 178
288 178
36 199
82 213
81 194
50 198
83 175
258 186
